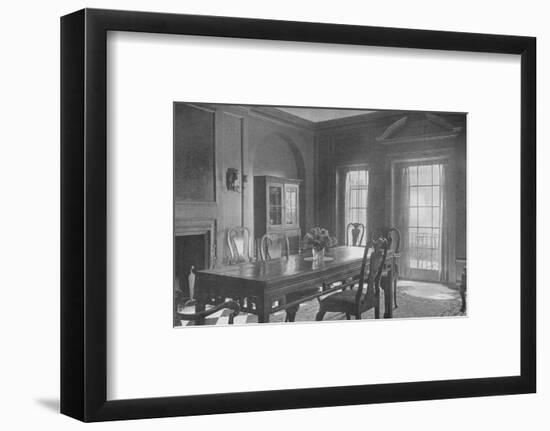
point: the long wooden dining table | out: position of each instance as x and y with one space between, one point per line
263 288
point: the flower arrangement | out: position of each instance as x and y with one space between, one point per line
318 239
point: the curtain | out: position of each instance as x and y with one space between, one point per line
356 194
444 223
404 220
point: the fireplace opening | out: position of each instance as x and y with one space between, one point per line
191 251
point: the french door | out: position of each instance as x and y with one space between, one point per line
425 219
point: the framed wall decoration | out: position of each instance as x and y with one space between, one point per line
261 215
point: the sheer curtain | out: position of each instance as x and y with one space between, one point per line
356 195
444 214
404 219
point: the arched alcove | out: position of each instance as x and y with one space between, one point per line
277 155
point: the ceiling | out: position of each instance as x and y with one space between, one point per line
317 115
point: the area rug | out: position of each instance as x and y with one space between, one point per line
414 300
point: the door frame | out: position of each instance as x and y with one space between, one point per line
399 160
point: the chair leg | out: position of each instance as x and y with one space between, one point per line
348 316
320 315
395 286
358 316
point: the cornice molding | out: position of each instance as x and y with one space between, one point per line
356 120
286 119
281 117
420 138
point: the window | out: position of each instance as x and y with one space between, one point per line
424 221
357 185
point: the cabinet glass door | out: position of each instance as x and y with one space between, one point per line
275 209
291 205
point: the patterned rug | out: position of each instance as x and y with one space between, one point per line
414 299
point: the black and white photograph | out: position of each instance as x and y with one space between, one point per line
306 214
275 216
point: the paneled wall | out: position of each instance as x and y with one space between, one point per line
359 143
240 136
258 144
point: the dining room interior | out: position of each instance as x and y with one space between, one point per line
301 214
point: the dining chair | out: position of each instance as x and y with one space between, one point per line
198 317
393 235
356 302
274 246
238 241
354 234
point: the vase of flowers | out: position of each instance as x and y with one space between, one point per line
319 240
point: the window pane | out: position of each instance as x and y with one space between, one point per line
412 238
436 221
413 220
436 259
425 217
290 206
413 196
413 172
435 194
436 239
425 175
436 169
424 196
363 216
275 215
424 257
275 195
425 238
362 178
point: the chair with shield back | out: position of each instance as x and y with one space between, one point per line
355 232
238 241
393 235
367 295
276 246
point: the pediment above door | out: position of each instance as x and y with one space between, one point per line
423 127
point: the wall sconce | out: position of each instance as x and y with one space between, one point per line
232 180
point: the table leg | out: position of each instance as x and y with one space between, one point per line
263 312
263 317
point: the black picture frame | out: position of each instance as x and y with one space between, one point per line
84 214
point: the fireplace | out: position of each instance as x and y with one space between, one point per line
194 247
190 252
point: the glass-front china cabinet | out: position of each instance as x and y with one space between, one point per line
277 208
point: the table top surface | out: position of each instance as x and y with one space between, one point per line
294 265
